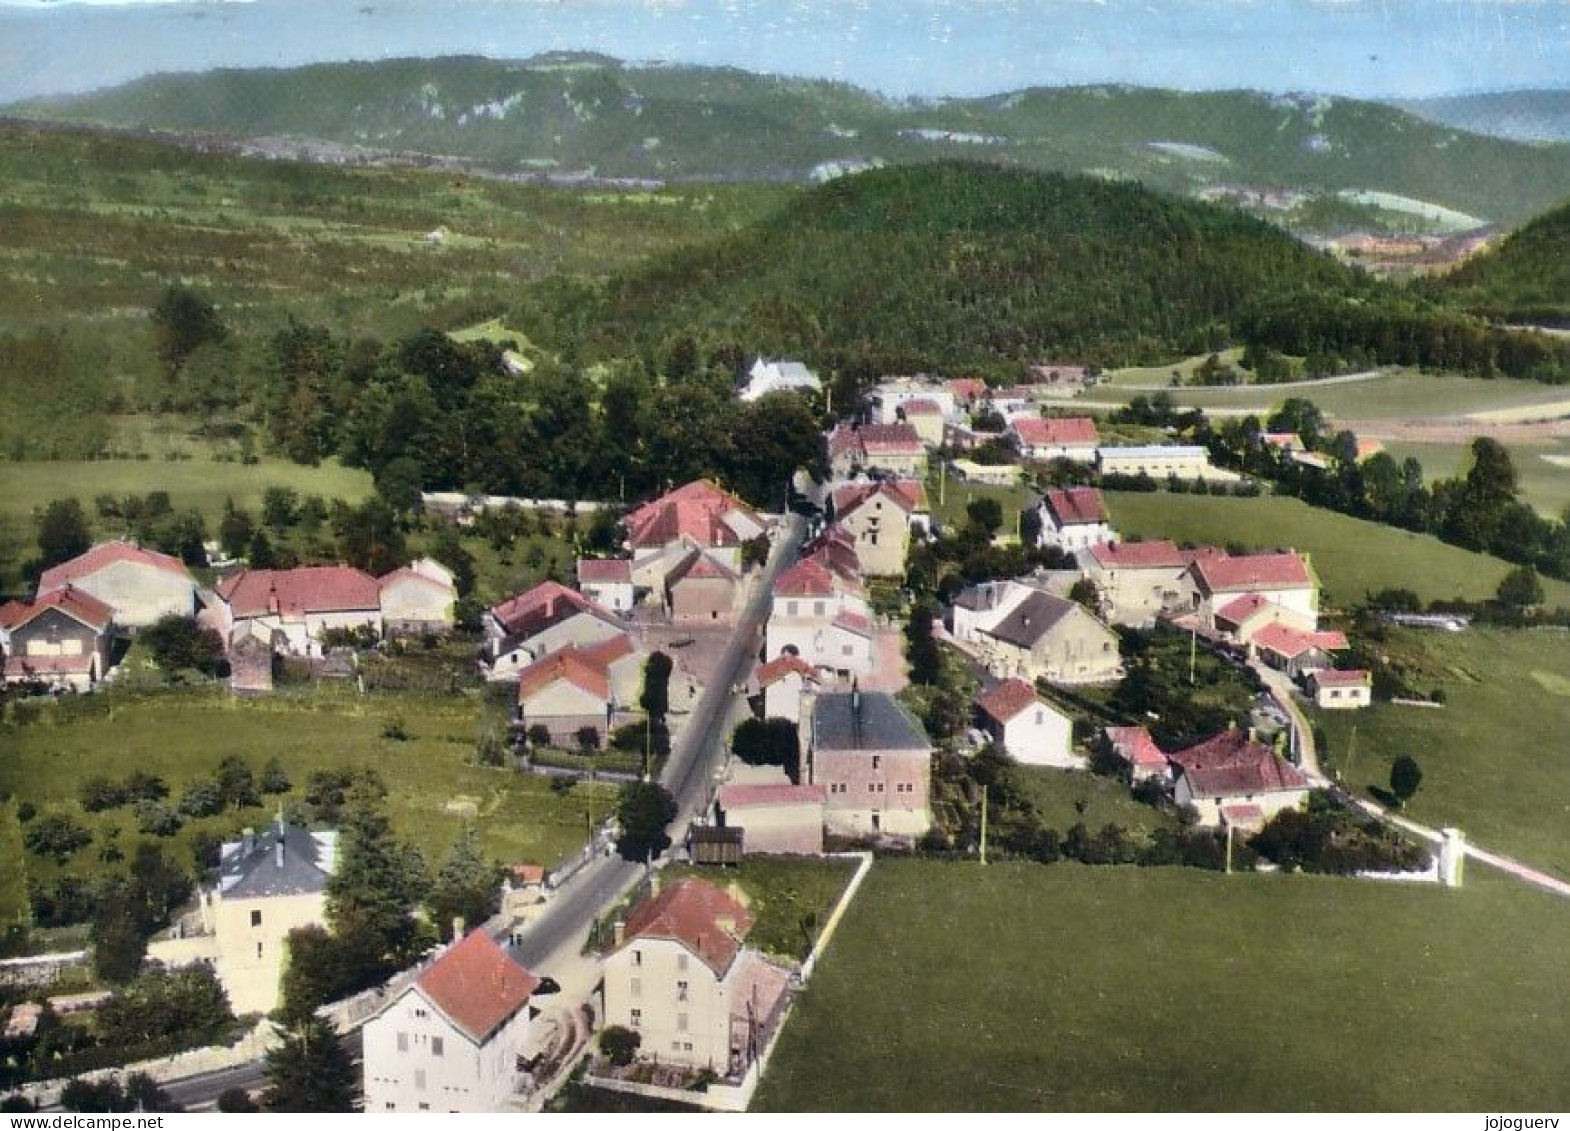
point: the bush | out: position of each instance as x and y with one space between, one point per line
25 811
588 739
538 735
157 819
178 643
140 785
56 836
394 730
98 794
202 798
619 1044
275 779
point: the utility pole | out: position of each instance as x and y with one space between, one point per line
1229 848
1193 647
983 825
1351 750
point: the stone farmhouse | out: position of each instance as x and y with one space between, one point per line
892 449
881 516
139 585
1037 438
542 620
874 762
592 686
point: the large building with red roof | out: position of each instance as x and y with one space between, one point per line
1139 581
298 604
140 585
698 515
893 449
453 1040
881 516
682 977
541 620
1046 438
61 639
1217 582
1230 779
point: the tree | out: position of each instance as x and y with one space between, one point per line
468 887
56 836
984 514
236 783
182 321
588 739
179 642
202 798
1405 777
926 662
62 532
235 530
1084 592
275 779
1520 588
399 482
309 1071
655 697
280 507
376 883
118 939
236 1100
643 812
448 549
620 1044
769 742
369 537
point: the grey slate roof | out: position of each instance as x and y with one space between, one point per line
881 724
258 871
1032 619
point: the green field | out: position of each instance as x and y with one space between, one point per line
1352 557
433 782
1494 760
1544 484
1106 801
1394 394
1068 988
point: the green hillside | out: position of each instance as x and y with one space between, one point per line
953 265
559 113
1526 278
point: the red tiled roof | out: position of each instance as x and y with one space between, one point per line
296 592
1138 555
604 570
921 406
699 566
781 666
1288 441
1242 816
967 388
1072 431
74 603
807 578
696 511
1008 699
761 796
477 985
1288 642
105 554
1226 573
697 914
408 574
1076 506
542 604
853 622
1332 677
1136 747
1238 611
875 439
1231 764
587 668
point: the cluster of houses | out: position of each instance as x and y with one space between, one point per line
64 636
1230 780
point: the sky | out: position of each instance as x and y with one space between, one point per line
1361 48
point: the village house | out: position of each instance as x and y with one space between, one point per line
269 884
1142 759
1139 581
453 1039
1294 651
820 617
699 515
968 392
1217 581
891 401
62 639
533 624
978 607
926 417
783 682
1053 638
1032 732
593 686
418 599
1037 438
881 516
874 762
1073 519
987 474
1160 461
1230 780
608 583
701 588
138 585
776 818
893 449
777 376
300 604
1340 690
682 977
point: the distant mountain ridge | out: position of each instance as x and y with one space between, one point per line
575 112
1524 279
1517 115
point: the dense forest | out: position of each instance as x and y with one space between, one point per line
1525 279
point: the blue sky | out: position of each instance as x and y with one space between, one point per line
1367 48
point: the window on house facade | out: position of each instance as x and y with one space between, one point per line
437 1047
258 950
877 760
681 1022
421 1013
681 962
846 649
637 958
419 1080
636 989
790 608
403 1042
819 608
256 918
637 1018
681 991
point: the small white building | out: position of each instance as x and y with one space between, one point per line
1160 461
1341 690
1070 437
452 1040
783 681
778 376
1073 519
891 401
419 598
607 582
1231 780
1031 731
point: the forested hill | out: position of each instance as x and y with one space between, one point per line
568 112
953 265
1525 279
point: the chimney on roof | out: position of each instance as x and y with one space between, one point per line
618 932
458 926
654 884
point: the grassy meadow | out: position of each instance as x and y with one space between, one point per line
434 783
1353 557
1494 760
1067 988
